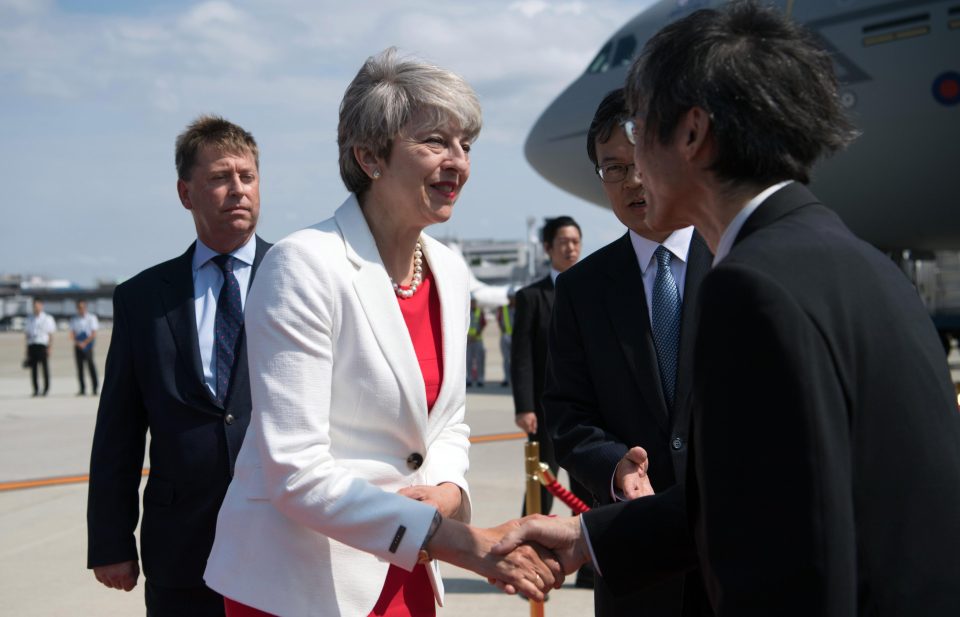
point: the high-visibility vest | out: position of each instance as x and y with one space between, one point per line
475 317
507 322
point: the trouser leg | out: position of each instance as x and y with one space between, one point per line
78 357
93 371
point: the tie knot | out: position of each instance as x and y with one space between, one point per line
663 256
224 262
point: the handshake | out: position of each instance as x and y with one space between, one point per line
528 556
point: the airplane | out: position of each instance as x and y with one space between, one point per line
898 62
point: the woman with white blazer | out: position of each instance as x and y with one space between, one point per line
351 476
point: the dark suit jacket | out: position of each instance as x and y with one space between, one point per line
154 380
603 391
825 459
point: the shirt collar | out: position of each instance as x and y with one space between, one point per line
678 243
733 229
554 273
203 253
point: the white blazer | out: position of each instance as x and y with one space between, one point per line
311 520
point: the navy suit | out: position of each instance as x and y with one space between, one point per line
154 381
603 395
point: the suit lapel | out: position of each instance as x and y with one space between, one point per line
627 306
176 294
699 260
453 301
379 303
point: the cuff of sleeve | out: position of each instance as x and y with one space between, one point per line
593 557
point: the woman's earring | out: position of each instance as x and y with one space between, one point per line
376 174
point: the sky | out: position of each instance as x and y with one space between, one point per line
93 94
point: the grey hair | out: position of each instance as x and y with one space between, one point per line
385 95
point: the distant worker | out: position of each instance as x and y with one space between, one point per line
40 329
83 330
505 318
528 353
619 368
476 353
177 366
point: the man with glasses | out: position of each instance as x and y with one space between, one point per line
621 341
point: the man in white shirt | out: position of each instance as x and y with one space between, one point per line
607 392
39 331
177 367
83 330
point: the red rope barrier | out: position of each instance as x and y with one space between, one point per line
557 490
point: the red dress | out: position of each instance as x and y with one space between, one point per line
404 594
409 594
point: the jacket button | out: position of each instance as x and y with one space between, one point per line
415 460
677 443
228 418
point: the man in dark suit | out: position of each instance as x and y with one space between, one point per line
607 388
177 367
528 352
825 451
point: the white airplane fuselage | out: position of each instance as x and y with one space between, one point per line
899 65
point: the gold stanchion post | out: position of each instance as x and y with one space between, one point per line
531 458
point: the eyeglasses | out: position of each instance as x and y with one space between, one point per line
614 172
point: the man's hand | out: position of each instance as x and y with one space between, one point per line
527 570
631 474
561 535
121 575
527 421
446 497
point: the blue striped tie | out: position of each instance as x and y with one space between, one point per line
666 323
227 324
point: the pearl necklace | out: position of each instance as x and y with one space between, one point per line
417 274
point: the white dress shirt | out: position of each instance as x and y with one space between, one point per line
207 281
39 328
678 243
733 229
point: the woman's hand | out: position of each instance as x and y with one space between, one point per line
527 569
445 497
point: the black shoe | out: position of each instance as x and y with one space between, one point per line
479 384
36 394
469 384
81 393
584 578
504 384
95 393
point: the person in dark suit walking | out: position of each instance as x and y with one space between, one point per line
619 367
561 239
824 473
177 367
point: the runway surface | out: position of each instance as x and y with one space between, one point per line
43 529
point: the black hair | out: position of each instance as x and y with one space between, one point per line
769 88
609 116
552 226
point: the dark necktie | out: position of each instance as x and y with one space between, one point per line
227 324
666 323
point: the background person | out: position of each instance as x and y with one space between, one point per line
620 326
806 422
506 315
83 331
476 352
352 475
561 239
177 367
39 331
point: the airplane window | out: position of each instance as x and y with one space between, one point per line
625 48
602 62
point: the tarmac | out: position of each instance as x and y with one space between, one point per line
43 541
43 528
